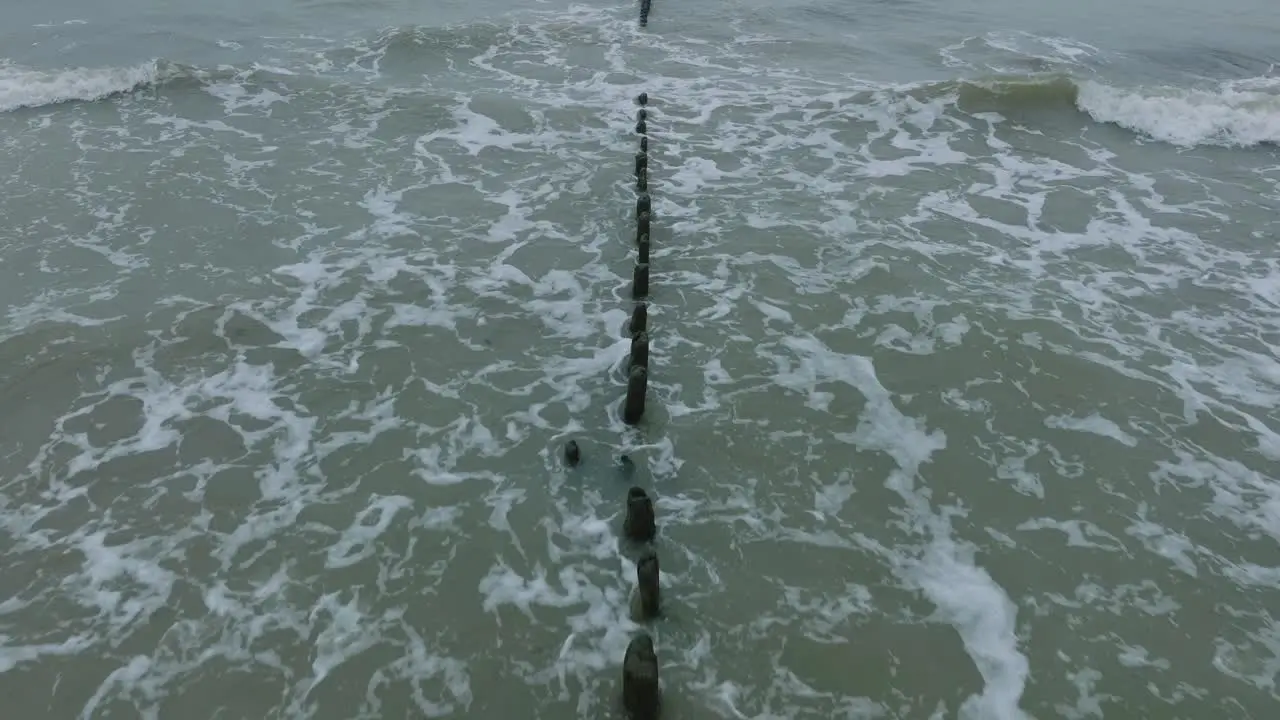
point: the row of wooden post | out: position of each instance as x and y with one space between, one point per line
638 364
641 695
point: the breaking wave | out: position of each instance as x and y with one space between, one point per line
1239 114
28 88
1234 114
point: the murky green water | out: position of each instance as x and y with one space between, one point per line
964 327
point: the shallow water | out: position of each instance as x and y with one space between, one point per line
963 399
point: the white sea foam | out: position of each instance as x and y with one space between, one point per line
964 593
1079 533
1093 423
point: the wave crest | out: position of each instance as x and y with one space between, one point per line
1234 115
26 88
1241 113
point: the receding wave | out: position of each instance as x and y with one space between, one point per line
1240 113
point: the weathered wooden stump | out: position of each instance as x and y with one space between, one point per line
637 388
647 591
640 524
639 319
640 351
641 695
640 281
